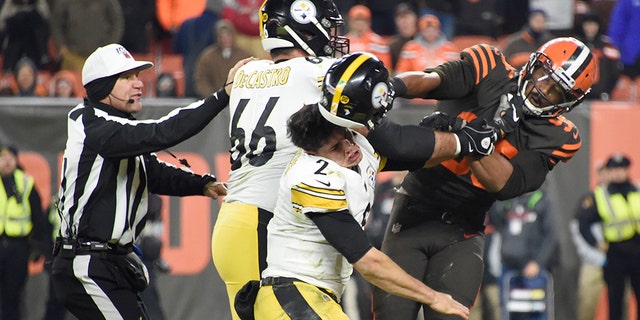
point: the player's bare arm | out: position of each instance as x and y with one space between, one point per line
492 171
382 272
418 83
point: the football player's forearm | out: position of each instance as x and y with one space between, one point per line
444 149
418 84
492 171
381 271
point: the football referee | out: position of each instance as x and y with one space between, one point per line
109 169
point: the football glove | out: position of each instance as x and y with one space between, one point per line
477 138
509 114
441 121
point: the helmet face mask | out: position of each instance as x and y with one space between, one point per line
557 78
310 25
356 92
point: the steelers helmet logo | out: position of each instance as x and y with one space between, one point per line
302 11
379 95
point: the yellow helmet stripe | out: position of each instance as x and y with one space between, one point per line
263 19
343 81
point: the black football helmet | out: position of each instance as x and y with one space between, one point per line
356 92
310 25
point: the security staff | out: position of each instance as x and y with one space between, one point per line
109 169
617 207
21 221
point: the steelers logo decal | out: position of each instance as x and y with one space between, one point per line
302 11
371 177
485 143
379 95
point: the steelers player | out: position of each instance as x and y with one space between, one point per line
301 36
316 236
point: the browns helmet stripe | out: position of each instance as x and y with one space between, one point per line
582 57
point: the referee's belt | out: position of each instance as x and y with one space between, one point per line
84 246
275 281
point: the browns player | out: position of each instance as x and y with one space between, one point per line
436 227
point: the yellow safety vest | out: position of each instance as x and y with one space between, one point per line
15 217
620 216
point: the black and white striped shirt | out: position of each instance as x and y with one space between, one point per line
109 167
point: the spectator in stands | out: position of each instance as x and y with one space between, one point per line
406 21
362 38
172 13
623 31
167 87
244 16
607 54
428 49
215 61
25 26
24 80
521 44
138 19
78 27
26 75
445 11
194 35
64 84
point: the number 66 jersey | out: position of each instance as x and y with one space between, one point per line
264 95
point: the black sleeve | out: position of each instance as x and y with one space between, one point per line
587 215
400 165
39 234
409 142
343 233
130 137
529 172
168 180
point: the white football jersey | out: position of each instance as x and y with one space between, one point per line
296 247
264 96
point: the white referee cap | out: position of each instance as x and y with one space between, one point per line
110 60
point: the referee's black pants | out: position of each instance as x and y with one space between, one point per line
91 287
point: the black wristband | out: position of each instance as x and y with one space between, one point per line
398 86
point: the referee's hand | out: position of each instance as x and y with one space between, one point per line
215 189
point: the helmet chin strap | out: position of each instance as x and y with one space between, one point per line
299 40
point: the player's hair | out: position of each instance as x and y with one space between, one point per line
308 129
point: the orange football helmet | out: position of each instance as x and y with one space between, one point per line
557 77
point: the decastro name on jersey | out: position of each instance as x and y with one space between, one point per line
262 79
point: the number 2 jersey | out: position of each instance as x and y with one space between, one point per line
264 96
312 184
471 87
